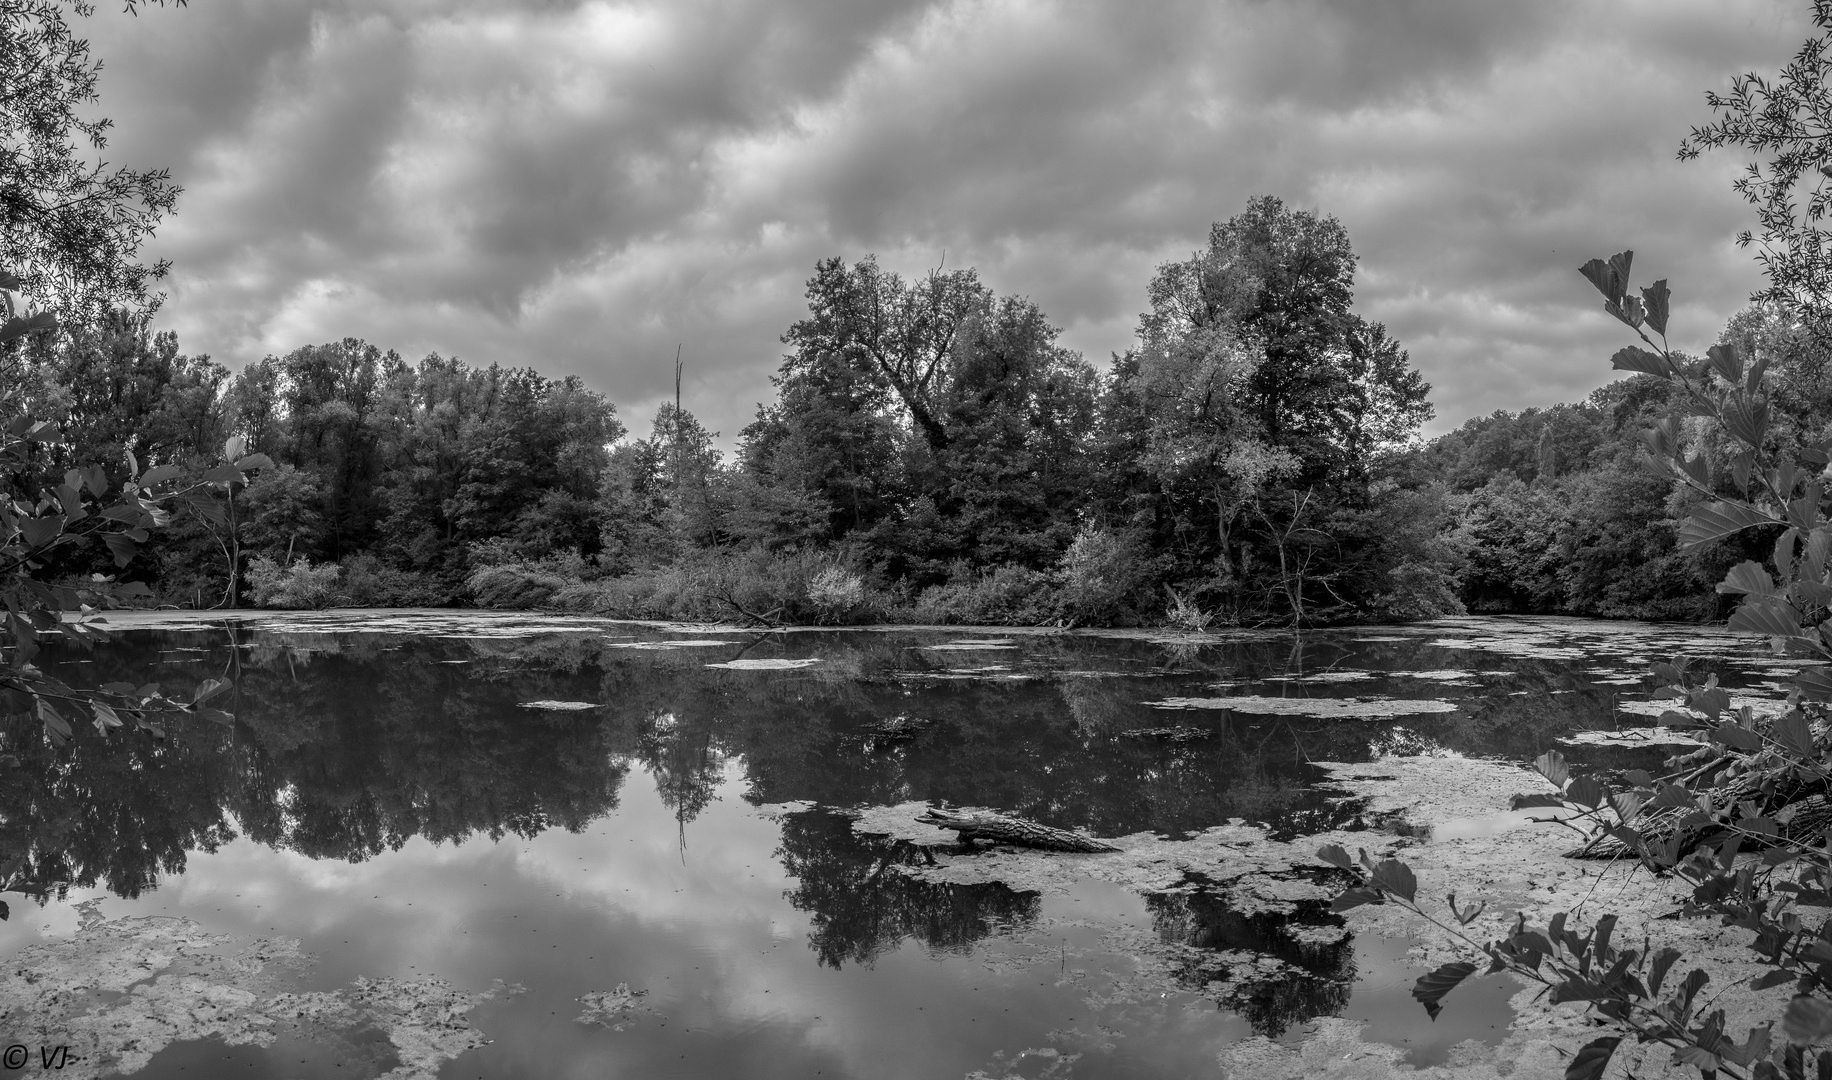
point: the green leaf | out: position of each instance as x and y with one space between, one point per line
1657 974
105 717
1672 797
1551 765
1536 802
208 689
1391 875
1726 361
1815 682
41 531
1335 855
1793 732
1710 524
1592 1059
1808 1020
1587 792
1636 358
1656 298
1748 424
54 722
1773 978
1354 898
1699 1058
254 461
1748 578
1431 988
159 474
1604 275
15 328
121 547
1736 738
1772 617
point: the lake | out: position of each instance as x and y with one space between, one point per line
466 844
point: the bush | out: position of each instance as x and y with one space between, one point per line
1104 577
300 585
368 582
511 586
1184 615
1418 591
836 593
1004 595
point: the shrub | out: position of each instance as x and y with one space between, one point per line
300 585
368 582
516 587
1184 615
1104 575
1418 591
1004 595
836 593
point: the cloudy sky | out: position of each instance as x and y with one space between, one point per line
580 186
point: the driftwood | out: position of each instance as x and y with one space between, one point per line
986 825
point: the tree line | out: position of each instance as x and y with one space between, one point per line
933 454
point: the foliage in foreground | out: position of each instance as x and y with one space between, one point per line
1761 783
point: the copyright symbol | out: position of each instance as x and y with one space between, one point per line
15 1056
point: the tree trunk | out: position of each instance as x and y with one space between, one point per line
986 825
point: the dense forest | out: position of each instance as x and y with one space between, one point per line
934 454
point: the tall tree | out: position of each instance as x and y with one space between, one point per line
898 334
70 226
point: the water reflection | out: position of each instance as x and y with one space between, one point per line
1293 978
347 746
861 908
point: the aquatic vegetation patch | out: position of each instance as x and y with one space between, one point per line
657 646
1759 705
1326 708
1631 737
559 706
972 645
617 1009
117 992
774 664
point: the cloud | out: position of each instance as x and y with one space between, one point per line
581 186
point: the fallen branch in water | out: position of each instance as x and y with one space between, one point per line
986 825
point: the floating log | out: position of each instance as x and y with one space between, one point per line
1004 829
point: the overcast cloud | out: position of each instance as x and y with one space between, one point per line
578 187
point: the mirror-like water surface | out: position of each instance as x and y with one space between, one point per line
459 845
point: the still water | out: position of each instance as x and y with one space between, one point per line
463 845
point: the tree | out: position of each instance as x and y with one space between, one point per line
1787 123
899 335
70 227
1272 293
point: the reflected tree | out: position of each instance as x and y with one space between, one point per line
861 908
